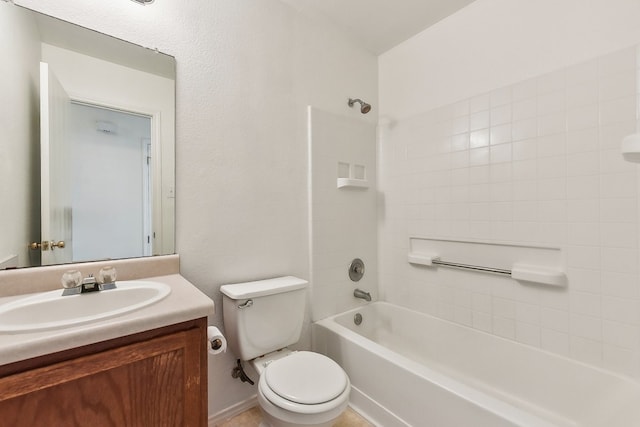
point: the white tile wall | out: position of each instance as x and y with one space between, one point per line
537 162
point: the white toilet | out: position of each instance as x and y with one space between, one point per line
296 388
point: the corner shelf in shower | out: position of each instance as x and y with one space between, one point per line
353 183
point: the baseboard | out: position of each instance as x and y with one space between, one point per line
232 411
372 411
360 402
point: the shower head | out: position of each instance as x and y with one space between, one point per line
364 107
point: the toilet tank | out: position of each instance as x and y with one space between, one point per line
263 316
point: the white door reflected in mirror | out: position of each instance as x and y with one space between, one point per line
55 167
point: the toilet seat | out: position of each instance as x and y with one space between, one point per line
306 377
305 382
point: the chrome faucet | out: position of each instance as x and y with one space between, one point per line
359 293
74 284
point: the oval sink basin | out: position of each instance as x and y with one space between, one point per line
51 310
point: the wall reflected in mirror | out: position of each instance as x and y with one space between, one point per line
87 166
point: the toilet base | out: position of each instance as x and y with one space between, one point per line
273 416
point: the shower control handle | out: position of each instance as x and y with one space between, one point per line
356 270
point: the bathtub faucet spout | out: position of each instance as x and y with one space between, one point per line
359 293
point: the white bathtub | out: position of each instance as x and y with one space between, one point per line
411 369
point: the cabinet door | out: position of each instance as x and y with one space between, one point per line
151 383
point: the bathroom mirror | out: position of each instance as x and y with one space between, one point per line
87 126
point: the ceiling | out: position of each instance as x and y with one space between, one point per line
379 25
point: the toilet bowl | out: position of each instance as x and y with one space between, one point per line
301 389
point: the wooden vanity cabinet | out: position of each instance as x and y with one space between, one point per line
155 378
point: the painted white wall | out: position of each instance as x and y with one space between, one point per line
107 183
20 161
494 43
503 124
246 70
105 83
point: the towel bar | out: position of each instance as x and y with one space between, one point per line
492 270
520 272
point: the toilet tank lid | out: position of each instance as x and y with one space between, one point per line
261 288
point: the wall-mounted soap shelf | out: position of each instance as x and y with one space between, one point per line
523 263
352 183
351 175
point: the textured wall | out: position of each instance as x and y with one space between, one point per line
246 70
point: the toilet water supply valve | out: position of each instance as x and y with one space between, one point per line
238 372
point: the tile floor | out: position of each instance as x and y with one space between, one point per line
252 418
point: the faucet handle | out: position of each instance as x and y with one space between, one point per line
71 279
107 275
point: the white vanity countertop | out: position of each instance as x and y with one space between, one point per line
184 303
